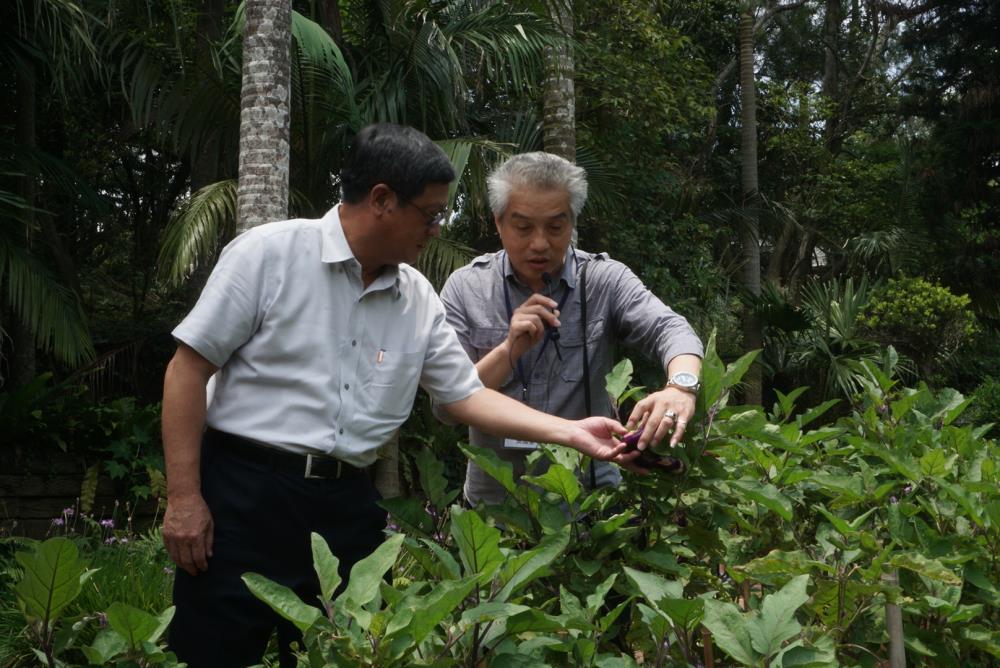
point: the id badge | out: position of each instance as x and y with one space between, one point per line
515 444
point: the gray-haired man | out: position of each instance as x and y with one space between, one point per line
518 314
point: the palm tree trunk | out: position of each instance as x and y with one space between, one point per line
559 101
750 235
265 114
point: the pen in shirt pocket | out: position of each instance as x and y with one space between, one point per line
378 358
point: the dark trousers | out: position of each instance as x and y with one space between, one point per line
263 519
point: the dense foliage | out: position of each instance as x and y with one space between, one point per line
782 543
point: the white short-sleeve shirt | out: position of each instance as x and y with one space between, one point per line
311 360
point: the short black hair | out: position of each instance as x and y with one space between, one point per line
403 158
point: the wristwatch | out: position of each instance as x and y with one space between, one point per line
685 380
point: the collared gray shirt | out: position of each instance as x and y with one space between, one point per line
620 310
312 360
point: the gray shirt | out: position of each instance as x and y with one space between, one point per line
620 309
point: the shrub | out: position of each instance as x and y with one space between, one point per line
923 320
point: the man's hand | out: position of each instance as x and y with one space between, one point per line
188 532
594 438
528 322
654 412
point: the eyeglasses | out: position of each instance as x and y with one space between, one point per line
430 219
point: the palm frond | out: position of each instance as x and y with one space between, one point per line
442 257
196 231
52 312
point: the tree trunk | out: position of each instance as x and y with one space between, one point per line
831 62
750 235
265 114
560 93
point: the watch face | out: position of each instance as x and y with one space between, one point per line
684 379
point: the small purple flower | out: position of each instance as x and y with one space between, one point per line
108 524
893 500
102 619
58 522
69 512
167 570
907 490
123 540
110 540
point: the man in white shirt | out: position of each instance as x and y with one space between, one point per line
320 333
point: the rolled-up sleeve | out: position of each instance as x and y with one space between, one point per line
231 306
646 322
448 374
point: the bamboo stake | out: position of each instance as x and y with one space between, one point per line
894 625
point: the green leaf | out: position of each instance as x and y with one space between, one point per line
522 569
776 622
410 513
815 412
282 600
107 645
736 370
53 577
765 494
934 463
653 587
931 568
820 653
729 630
596 598
616 382
686 613
478 544
969 502
134 625
488 461
326 564
559 480
366 575
491 611
433 481
419 615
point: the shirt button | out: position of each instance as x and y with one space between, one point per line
354 343
340 431
347 386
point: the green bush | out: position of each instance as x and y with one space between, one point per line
812 527
923 320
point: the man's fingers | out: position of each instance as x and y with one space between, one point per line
678 432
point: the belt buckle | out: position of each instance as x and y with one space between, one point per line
309 465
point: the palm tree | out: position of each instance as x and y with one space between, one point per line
750 233
415 62
265 116
559 97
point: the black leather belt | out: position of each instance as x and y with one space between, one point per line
308 466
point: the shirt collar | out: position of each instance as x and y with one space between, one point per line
568 275
336 250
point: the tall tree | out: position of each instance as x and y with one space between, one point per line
559 102
750 230
265 113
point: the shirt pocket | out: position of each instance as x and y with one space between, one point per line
485 339
394 382
571 346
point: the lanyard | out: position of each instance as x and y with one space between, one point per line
548 332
